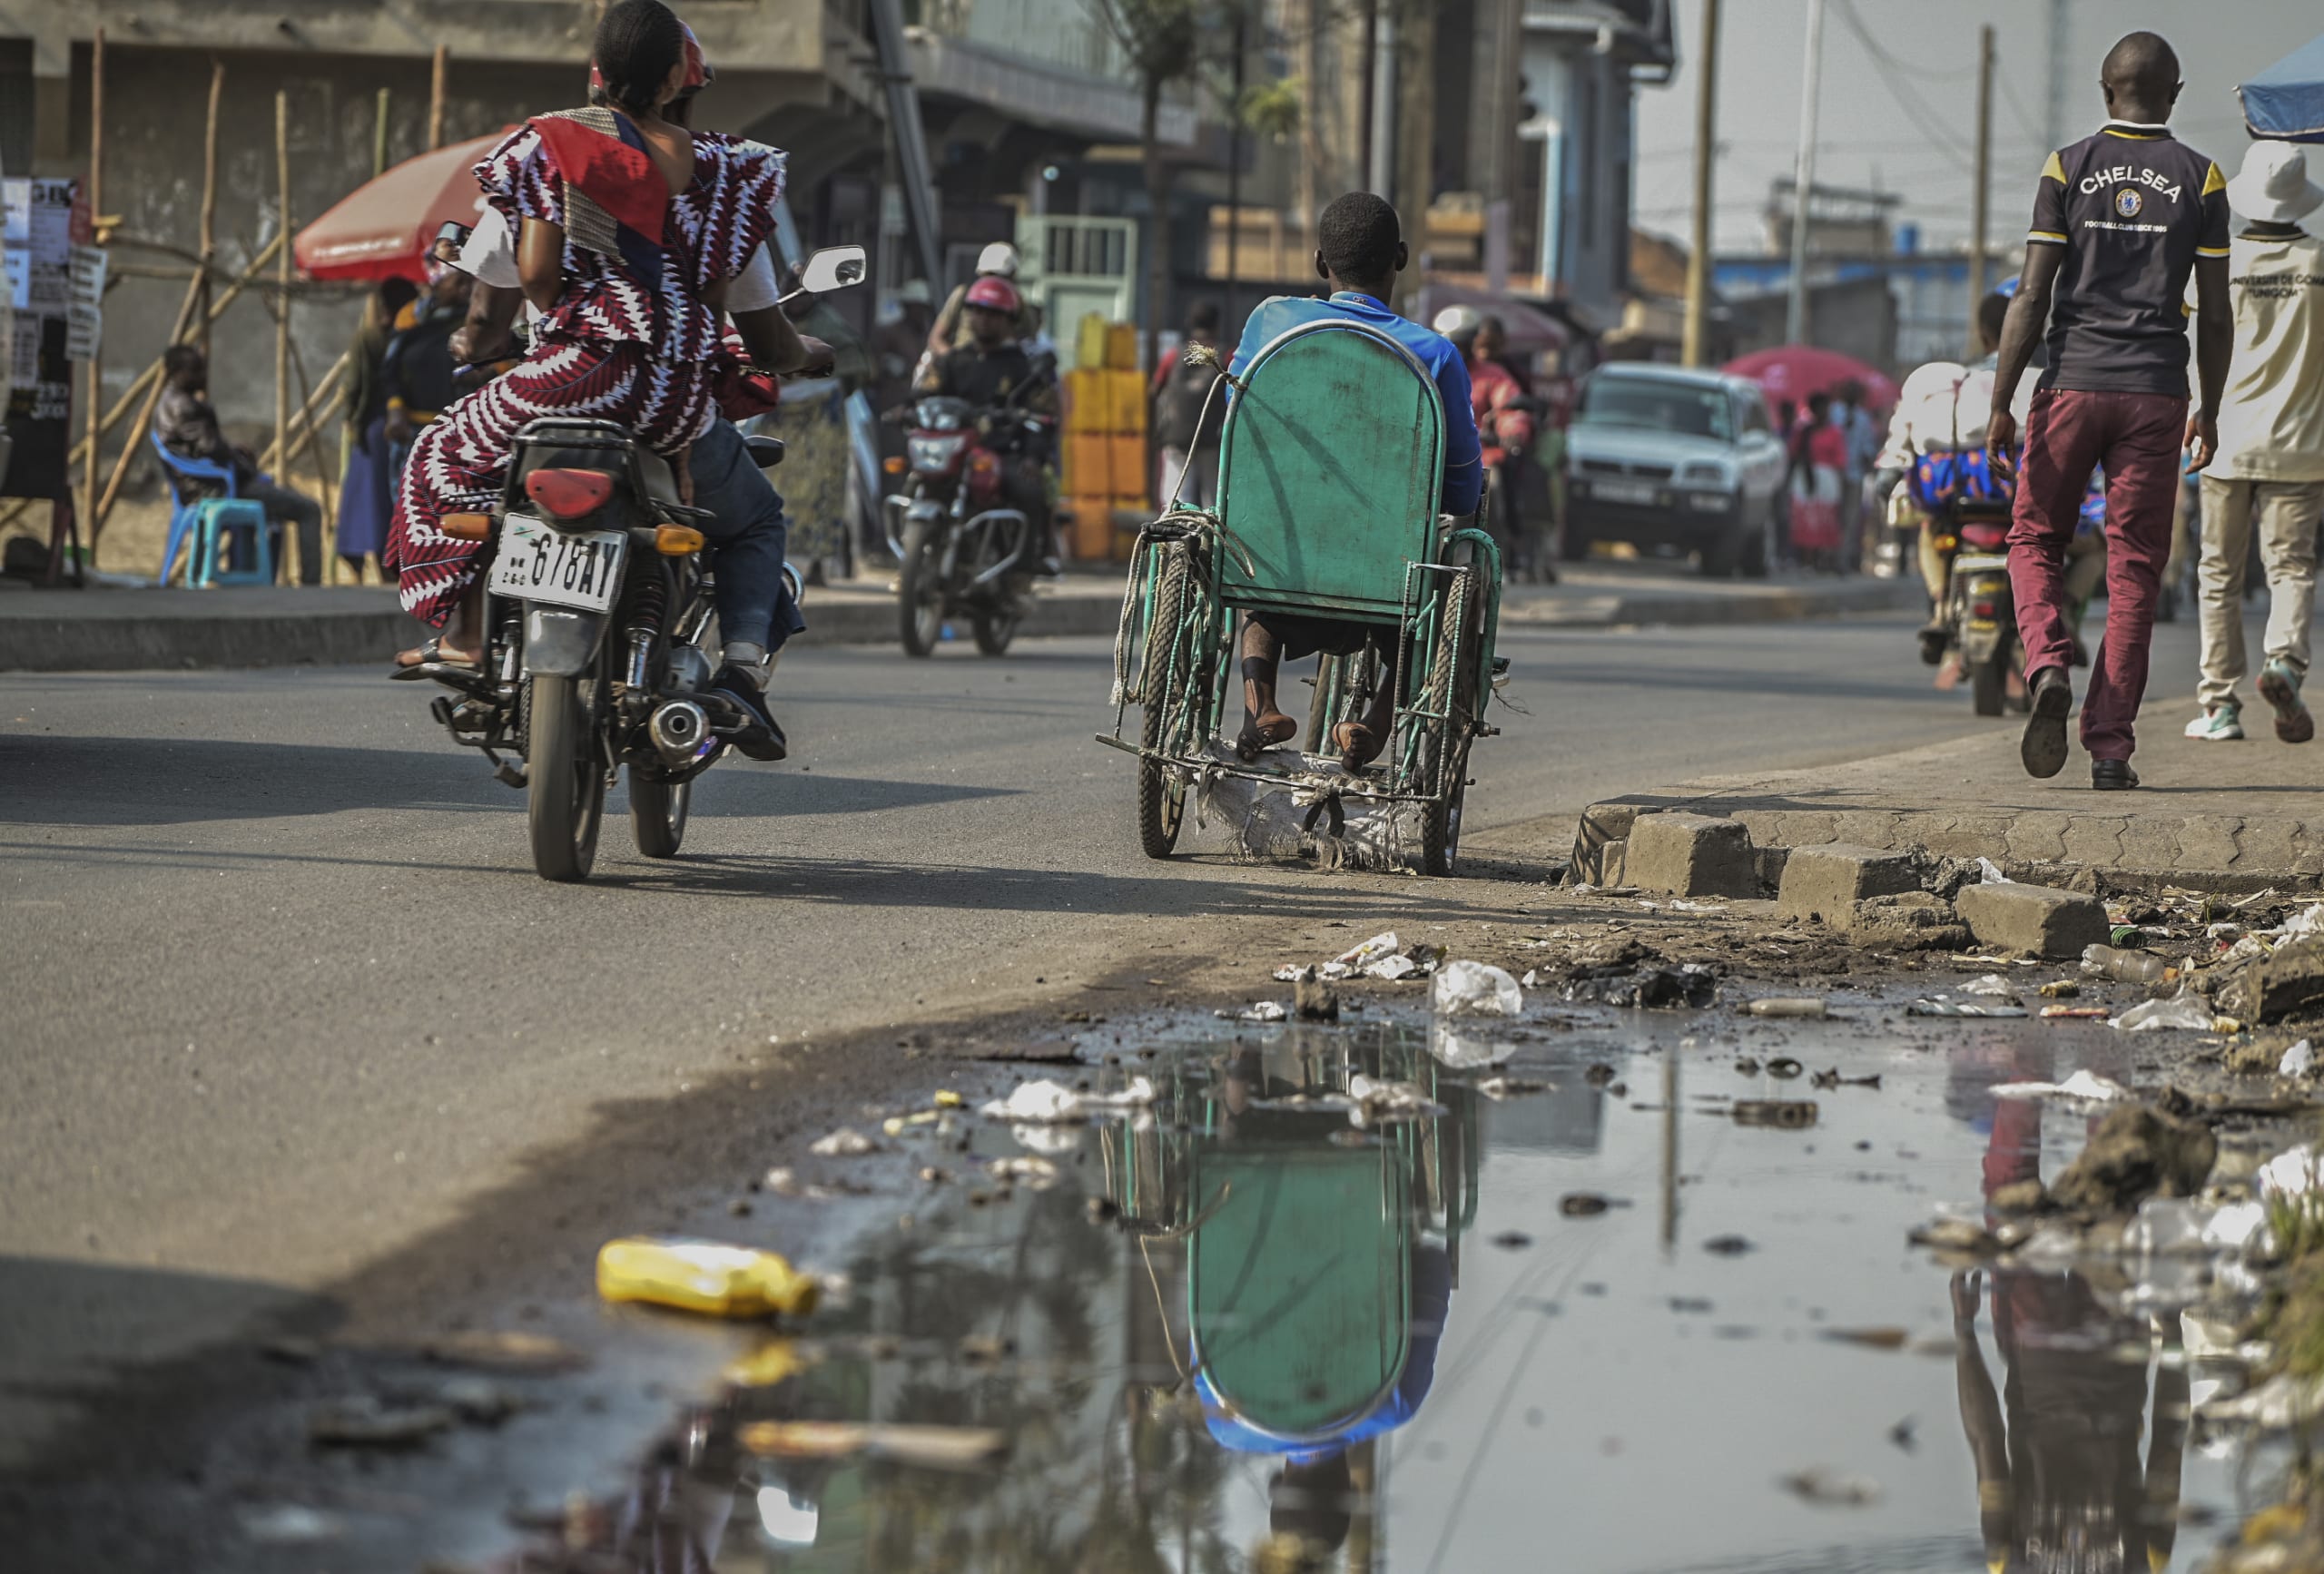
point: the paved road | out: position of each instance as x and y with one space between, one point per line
283 992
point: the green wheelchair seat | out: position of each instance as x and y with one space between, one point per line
1330 468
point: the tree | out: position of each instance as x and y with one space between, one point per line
1163 41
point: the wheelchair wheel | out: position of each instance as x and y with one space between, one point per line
1343 687
1452 673
1173 708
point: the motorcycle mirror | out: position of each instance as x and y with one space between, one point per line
833 268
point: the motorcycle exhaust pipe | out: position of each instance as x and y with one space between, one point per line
680 729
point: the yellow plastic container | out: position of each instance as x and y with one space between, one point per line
1090 340
1088 402
1121 345
1089 463
1126 466
704 1277
1093 527
1125 401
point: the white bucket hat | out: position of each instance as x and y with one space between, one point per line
2273 187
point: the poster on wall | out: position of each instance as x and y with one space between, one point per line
55 294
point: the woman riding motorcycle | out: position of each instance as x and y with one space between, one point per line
630 229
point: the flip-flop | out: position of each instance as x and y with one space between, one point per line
1256 737
429 657
1354 754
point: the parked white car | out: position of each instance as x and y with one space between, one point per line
1669 456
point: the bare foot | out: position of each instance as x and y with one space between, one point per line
1271 728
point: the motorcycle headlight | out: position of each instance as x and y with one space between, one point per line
933 453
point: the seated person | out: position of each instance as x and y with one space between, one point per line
989 368
187 425
1360 251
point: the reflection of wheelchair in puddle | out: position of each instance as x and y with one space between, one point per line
1318 1260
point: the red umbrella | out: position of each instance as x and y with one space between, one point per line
384 228
1793 371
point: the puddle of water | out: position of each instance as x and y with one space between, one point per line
1407 1346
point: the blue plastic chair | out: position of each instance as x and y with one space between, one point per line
185 512
206 519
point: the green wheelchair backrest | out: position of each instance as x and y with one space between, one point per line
1329 472
1299 1286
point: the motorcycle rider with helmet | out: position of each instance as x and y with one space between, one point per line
989 368
998 261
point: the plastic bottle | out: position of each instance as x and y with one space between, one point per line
705 1276
2127 967
1805 1007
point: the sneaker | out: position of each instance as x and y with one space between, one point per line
2280 686
2044 747
761 739
2217 725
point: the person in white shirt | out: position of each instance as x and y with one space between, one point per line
2270 458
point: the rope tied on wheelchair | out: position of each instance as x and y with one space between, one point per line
1207 533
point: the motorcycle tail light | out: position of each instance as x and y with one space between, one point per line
1981 609
1946 543
569 494
983 467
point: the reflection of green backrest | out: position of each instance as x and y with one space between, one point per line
1330 468
1299 1285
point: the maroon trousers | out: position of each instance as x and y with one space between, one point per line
2134 437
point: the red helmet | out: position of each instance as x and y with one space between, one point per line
996 293
699 74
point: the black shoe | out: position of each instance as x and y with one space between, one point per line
2044 749
1933 639
2112 775
761 739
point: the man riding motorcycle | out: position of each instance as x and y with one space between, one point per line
990 369
757 611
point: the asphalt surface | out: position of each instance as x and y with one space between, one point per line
282 993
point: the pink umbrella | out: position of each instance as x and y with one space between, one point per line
384 227
1793 371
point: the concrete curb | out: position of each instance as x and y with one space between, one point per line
116 632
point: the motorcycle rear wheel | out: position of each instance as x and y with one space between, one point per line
1989 683
565 787
994 630
919 592
657 813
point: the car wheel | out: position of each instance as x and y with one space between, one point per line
1723 552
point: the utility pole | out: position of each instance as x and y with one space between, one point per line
1234 177
1695 351
1382 144
1795 319
1983 177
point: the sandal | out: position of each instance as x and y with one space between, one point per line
1357 746
429 654
1262 734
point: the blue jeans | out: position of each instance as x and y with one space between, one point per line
747 540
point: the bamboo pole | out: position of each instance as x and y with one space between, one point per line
208 245
283 302
145 413
436 96
307 407
144 381
379 137
308 413
96 209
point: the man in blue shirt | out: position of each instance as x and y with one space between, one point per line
1360 250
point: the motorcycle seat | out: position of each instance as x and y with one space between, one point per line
661 485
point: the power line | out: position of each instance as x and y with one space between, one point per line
2025 121
1908 99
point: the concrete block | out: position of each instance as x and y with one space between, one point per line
1827 883
2038 920
1911 921
1602 826
1692 855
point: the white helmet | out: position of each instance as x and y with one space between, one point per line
1000 257
1457 320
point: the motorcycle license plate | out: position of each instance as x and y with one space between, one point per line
538 564
1640 493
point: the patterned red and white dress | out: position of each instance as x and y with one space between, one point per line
630 339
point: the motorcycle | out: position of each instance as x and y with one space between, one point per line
956 539
1980 612
600 630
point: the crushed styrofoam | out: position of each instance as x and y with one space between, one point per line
2085 1085
2299 1060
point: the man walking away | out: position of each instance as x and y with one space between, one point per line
2270 449
2119 220
1188 420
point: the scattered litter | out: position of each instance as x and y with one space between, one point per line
1260 1011
1038 1173
1532 979
2185 1010
705 1276
1384 1100
2075 1013
1832 1079
1512 1239
2062 989
1989 872
1960 1009
845 1143
1691 984
2299 1060
945 1099
1597 1073
1789 1113
1956 1235
1806 1008
897 1124
1582 1205
1992 984
1394 968
1784 1067
1498 1088
2085 1085
1708 909
2183 1226
2127 967
933 1447
2282 1403
1469 1052
2290 1174
1830 1489
1870 1338
1467 988
1727 1246
1044 1102
366 1422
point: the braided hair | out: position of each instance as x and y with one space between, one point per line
639 43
